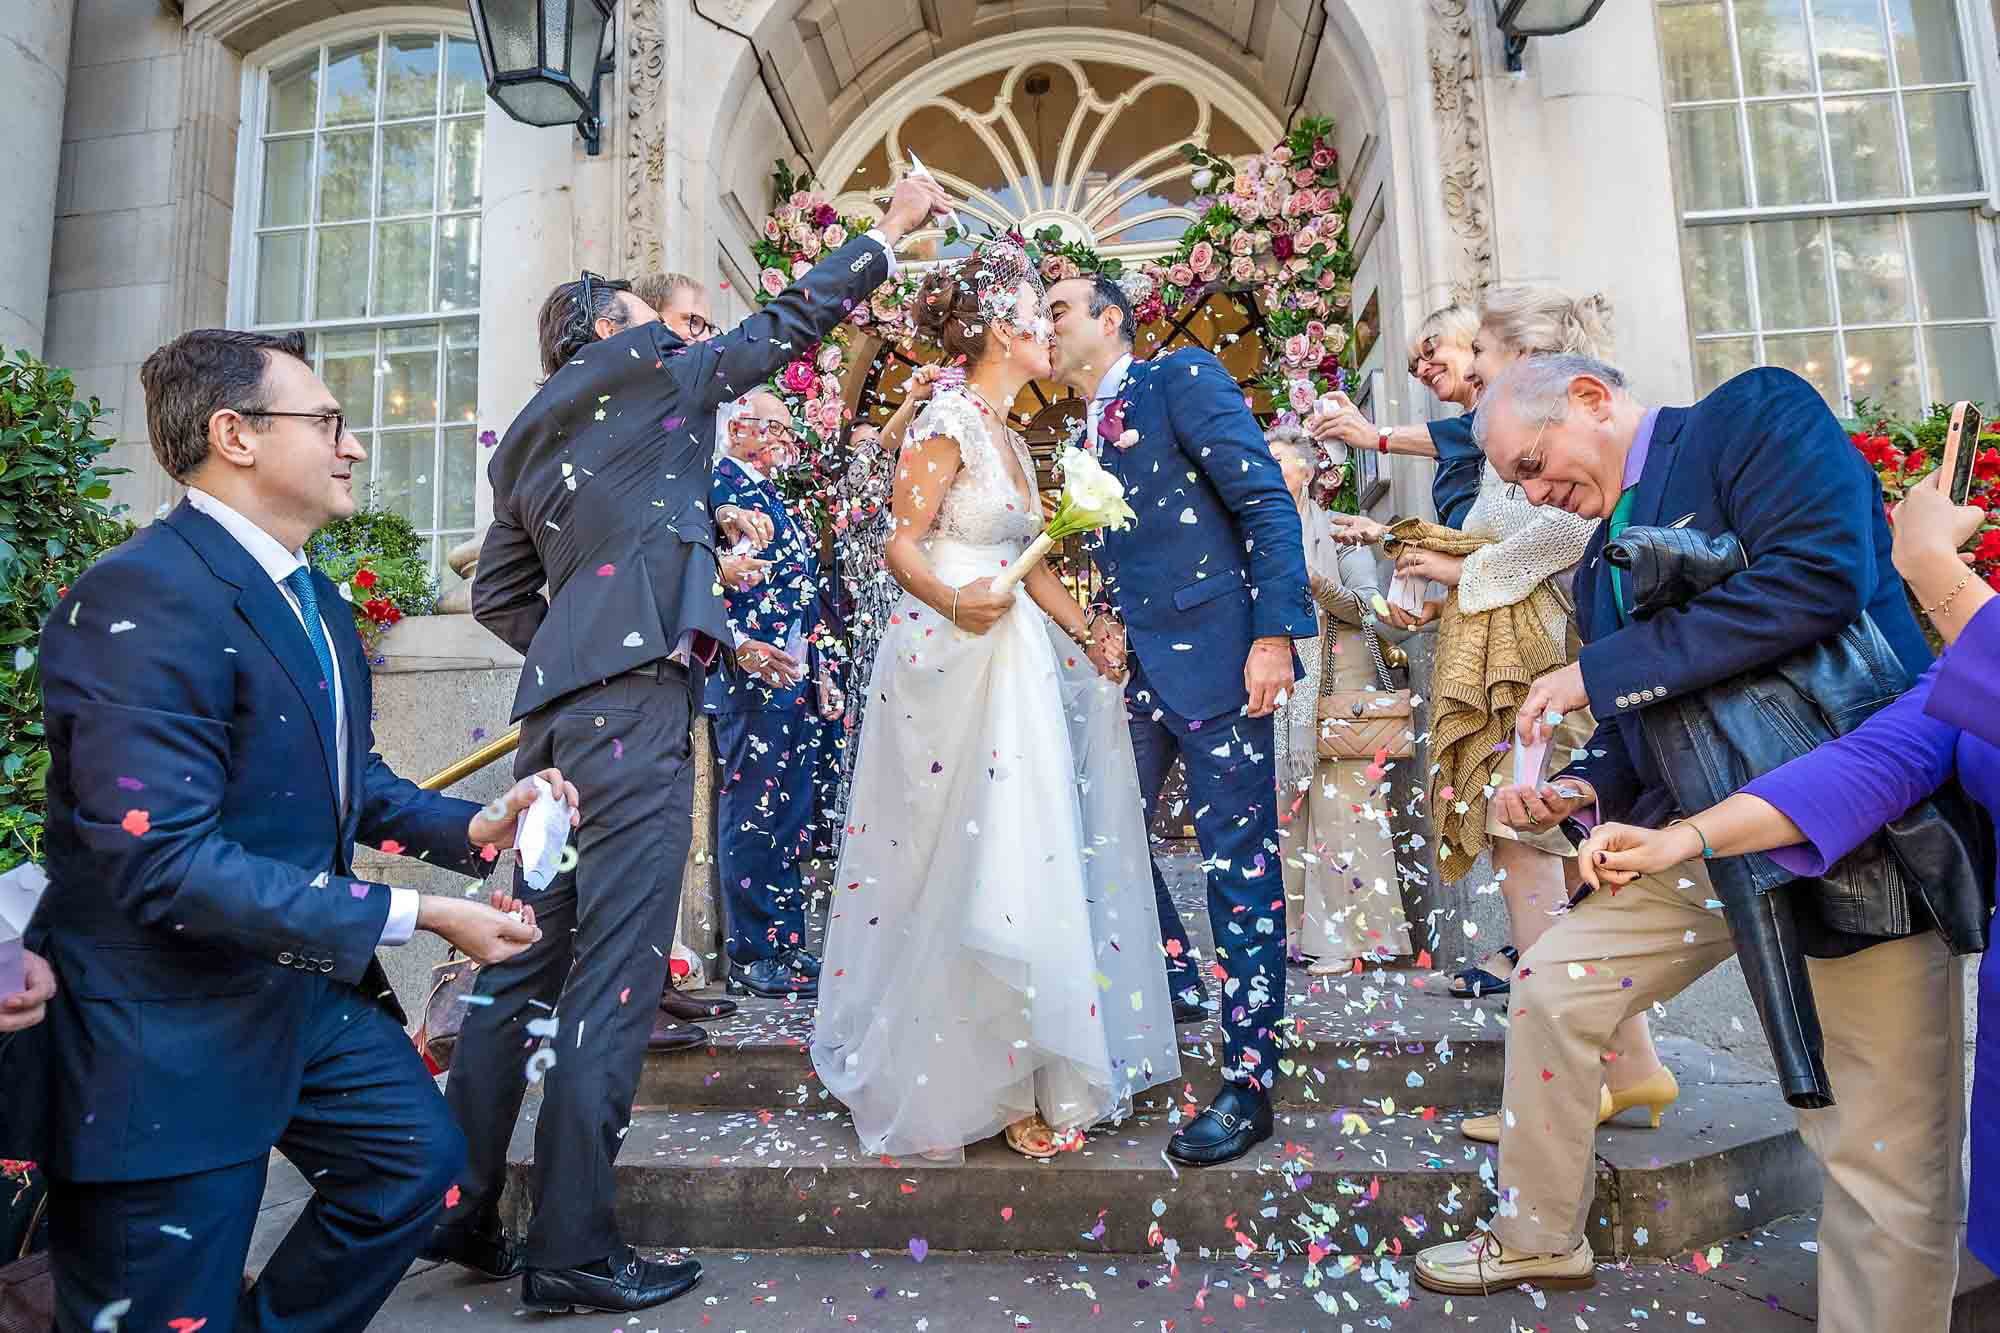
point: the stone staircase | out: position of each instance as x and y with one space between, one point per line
736 1145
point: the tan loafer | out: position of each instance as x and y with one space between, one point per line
1480 1267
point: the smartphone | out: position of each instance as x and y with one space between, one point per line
1961 447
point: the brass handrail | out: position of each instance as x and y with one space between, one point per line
459 769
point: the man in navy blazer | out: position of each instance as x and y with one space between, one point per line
1209 589
767 731
208 708
1762 458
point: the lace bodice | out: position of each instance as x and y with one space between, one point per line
984 506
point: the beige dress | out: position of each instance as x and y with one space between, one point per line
1343 898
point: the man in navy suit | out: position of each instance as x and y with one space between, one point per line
765 723
1209 589
1761 458
212 767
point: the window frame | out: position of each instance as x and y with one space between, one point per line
1975 29
253 112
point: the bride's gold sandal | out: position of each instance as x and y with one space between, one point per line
1033 1137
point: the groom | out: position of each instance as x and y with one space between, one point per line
1210 587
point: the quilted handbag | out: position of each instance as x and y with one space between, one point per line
1364 724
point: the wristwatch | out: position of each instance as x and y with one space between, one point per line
1382 442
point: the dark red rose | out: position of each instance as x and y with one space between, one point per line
1281 246
825 216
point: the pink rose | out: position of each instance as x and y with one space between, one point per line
859 317
829 359
829 388
799 377
1302 396
835 236
800 268
1326 280
1303 177
1316 330
809 245
1298 205
1296 347
1180 275
771 230
786 215
1239 244
1322 158
1202 257
1282 153
800 199
1250 210
1326 200
1242 268
771 281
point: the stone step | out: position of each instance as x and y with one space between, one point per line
1726 1159
1355 1039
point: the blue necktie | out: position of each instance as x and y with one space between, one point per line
301 584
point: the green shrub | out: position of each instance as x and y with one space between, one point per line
381 564
53 523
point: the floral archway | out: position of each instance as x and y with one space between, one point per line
1266 258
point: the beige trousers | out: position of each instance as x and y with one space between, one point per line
1890 1149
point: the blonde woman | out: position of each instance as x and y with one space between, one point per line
1343 898
1440 358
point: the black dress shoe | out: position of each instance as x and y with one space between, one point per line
482 1247
771 978
804 960
670 1034
1235 1122
628 1283
688 1009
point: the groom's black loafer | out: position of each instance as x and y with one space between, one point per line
630 1284
771 978
1190 1000
1235 1122
804 960
483 1248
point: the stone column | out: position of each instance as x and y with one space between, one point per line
527 234
1584 189
34 68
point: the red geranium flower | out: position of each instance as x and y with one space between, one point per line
1989 546
364 578
1917 461
1987 466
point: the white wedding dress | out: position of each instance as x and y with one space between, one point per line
993 947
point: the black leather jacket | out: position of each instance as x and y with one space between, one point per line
1930 868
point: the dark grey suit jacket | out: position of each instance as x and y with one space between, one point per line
600 487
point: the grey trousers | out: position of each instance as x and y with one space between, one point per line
607 929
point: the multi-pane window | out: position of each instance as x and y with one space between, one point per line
367 236
1828 159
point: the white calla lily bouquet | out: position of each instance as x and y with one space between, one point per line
1091 499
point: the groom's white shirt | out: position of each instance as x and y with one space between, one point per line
1107 389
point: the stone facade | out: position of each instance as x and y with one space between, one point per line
122 209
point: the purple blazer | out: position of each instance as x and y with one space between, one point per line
1846 789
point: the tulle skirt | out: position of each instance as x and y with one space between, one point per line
993 947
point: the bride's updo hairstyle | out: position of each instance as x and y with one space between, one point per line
948 314
1538 321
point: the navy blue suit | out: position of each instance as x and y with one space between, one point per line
219 989
1763 458
1214 562
767 741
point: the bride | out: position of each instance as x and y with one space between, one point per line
992 956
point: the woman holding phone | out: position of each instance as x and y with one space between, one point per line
1812 811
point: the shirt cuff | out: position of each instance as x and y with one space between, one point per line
402 922
881 238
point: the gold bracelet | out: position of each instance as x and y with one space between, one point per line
954 608
1949 597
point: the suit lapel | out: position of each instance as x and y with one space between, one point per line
270 615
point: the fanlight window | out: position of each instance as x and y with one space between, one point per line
1084 145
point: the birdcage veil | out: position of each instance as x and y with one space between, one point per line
994 273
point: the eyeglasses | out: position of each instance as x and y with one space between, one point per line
338 420
1426 351
766 429
1528 466
700 327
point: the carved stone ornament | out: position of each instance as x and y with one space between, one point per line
645 137
1453 49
